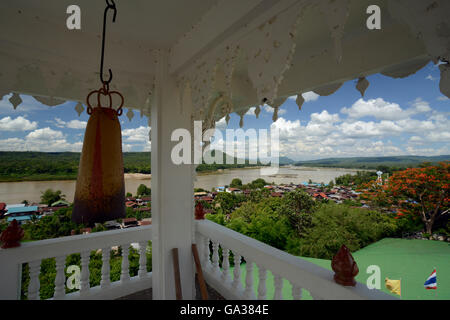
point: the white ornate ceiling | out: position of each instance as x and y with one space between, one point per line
232 54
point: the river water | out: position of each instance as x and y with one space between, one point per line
16 192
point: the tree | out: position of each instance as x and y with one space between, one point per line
236 183
298 206
143 190
257 184
422 192
49 196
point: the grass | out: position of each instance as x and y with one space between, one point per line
412 261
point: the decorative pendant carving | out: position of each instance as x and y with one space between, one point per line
79 108
15 100
12 235
199 212
362 85
345 267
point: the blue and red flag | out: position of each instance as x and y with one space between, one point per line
431 283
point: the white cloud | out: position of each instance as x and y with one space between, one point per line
383 110
377 108
18 124
76 124
442 98
310 96
44 134
307 96
430 77
73 124
250 112
140 134
45 140
221 124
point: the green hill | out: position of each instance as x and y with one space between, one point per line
374 162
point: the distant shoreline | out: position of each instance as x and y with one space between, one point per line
148 176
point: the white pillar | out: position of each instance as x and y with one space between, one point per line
172 190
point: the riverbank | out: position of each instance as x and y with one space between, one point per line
15 192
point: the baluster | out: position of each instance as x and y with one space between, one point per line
262 274
142 259
225 264
200 244
125 275
84 277
34 285
106 269
206 260
215 257
249 293
296 292
237 272
278 283
60 280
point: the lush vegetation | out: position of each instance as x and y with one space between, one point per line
301 226
50 196
418 193
375 163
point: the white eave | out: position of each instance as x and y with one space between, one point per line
231 54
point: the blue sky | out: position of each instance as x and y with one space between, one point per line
396 117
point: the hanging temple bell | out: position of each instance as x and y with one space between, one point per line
100 186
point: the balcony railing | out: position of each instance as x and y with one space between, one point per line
34 252
301 274
213 241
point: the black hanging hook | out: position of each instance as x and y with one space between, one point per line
113 7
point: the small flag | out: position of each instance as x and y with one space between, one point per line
431 283
394 286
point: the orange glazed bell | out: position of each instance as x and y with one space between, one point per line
100 187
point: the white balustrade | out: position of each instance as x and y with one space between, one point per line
34 284
34 252
125 274
142 259
225 264
84 280
278 284
60 278
299 272
236 285
249 293
262 289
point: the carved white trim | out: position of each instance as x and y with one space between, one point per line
362 85
428 21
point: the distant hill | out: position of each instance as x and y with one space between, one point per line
286 161
373 162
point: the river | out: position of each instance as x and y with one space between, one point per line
16 192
